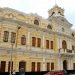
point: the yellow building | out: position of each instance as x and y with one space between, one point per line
34 43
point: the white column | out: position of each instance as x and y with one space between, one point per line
60 62
43 59
70 44
70 63
43 64
59 43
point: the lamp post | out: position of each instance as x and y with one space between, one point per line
12 44
17 34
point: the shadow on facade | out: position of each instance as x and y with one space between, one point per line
26 73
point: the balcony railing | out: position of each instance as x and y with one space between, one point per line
66 51
69 51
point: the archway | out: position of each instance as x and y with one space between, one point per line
3 66
22 64
36 22
65 64
64 45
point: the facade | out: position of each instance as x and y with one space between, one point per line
34 43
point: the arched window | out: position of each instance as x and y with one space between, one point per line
53 13
72 47
73 34
59 12
49 27
36 22
64 45
9 15
23 40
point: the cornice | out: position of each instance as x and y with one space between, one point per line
32 26
32 53
26 52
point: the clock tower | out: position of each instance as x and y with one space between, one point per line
56 11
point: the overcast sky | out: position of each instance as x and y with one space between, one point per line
41 7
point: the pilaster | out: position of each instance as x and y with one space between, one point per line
28 40
43 64
6 67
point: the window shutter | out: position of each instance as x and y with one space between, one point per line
33 66
38 42
38 66
6 35
13 37
23 40
47 44
51 44
52 66
48 66
34 41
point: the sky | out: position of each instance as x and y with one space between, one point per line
41 7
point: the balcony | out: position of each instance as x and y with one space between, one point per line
65 50
69 51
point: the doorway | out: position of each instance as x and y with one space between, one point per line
22 64
73 66
3 66
65 64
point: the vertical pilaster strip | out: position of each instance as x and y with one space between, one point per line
6 67
43 64
70 44
43 42
28 41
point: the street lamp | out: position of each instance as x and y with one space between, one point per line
12 44
17 34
